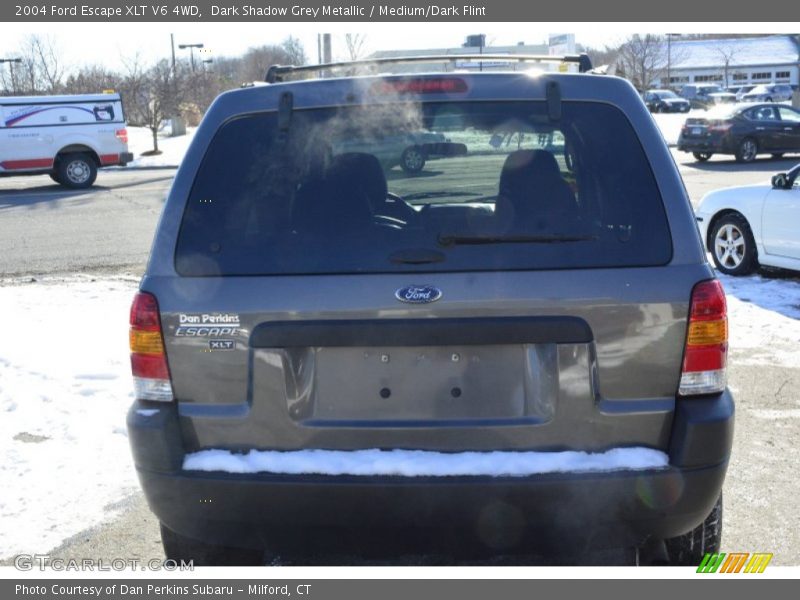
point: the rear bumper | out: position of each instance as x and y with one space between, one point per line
719 145
563 511
125 158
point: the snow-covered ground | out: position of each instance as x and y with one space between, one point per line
65 388
764 320
140 139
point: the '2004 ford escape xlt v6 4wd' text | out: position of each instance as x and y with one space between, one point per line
522 346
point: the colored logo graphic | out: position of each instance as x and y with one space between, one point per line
734 562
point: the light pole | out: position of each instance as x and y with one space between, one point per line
191 48
669 61
11 62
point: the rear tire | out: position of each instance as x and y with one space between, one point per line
688 550
76 171
702 156
732 245
747 150
54 177
180 548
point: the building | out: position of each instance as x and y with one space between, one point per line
731 62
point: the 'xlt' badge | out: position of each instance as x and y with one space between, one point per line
418 294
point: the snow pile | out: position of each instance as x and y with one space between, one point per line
65 386
140 139
764 319
419 463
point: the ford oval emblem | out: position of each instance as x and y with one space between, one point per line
418 294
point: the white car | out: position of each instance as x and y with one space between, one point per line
747 226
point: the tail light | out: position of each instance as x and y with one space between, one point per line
148 359
122 135
720 127
706 352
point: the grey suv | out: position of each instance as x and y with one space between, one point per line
520 350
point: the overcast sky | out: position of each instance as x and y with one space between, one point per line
105 43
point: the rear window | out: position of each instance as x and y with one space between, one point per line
430 187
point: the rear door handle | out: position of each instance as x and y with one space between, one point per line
788 128
760 128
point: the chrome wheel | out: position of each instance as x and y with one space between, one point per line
729 246
78 171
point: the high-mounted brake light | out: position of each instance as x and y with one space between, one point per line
122 135
706 352
438 85
148 359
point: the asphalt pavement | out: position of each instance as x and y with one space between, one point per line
47 229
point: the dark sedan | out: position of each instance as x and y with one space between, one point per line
665 101
744 130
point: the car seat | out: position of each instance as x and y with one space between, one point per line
533 197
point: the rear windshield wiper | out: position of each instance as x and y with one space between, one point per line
456 240
436 194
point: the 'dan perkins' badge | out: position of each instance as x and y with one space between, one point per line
207 325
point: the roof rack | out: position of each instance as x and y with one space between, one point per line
276 73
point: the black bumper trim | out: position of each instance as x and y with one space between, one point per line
564 511
568 510
422 332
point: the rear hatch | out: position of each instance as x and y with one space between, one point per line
518 296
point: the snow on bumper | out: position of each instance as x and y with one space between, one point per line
418 463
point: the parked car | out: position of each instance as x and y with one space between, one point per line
743 130
408 150
664 101
66 137
747 226
706 95
740 91
523 350
778 92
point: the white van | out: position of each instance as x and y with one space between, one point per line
66 137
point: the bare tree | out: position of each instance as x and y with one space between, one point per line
295 52
727 54
354 44
256 61
153 94
643 59
41 70
91 80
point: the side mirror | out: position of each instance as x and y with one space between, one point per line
780 181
